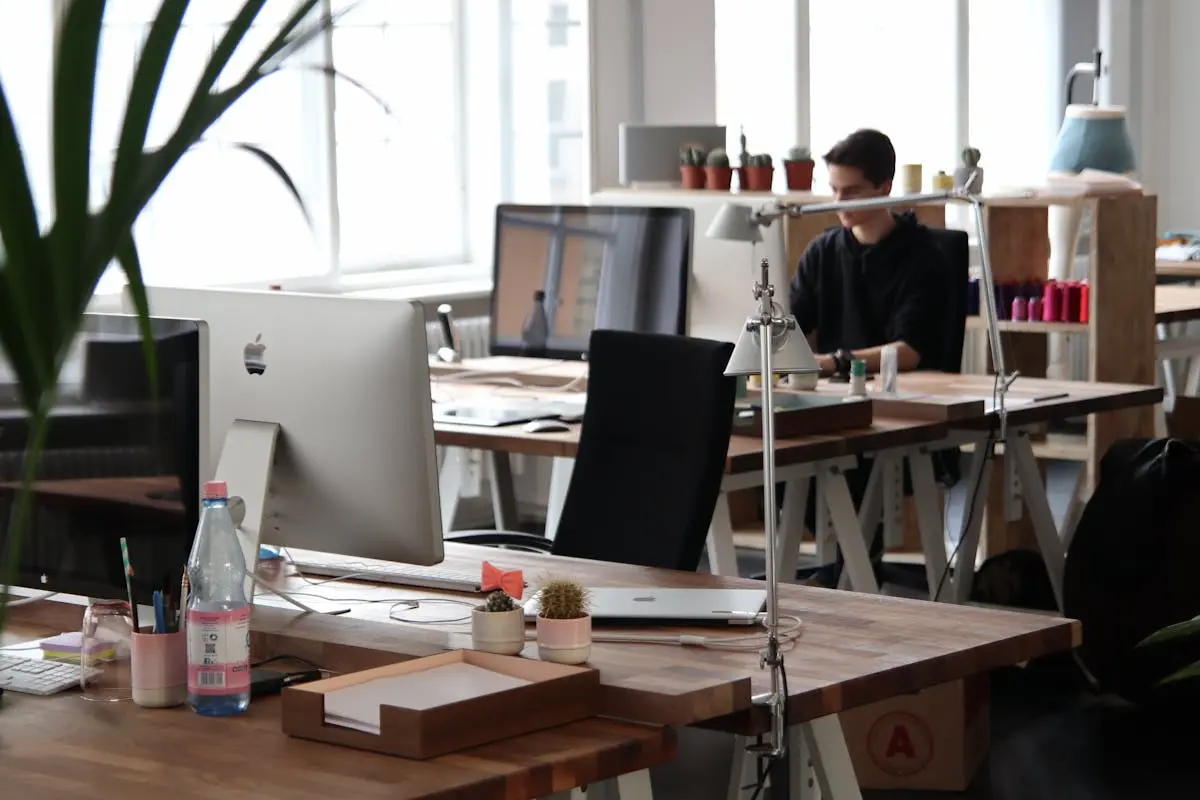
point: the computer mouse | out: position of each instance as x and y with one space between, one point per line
546 426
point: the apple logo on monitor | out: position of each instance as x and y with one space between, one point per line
254 356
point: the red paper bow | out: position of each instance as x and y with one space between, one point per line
511 582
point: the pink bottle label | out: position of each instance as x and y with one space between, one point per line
218 651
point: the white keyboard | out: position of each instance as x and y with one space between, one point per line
37 676
388 572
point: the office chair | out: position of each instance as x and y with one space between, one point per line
651 454
956 251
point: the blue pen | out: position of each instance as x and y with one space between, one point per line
160 613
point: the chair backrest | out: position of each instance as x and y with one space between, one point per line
652 450
957 257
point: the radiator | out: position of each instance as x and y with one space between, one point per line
472 336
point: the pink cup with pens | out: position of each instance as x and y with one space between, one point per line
159 669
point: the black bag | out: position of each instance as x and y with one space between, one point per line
1131 567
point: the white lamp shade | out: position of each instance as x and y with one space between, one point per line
735 222
790 353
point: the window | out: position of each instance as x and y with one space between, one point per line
876 64
471 126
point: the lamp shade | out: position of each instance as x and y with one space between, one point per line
1093 137
735 222
790 353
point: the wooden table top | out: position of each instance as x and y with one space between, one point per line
1178 269
1173 303
745 452
94 492
64 746
856 648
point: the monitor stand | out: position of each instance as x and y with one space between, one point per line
247 460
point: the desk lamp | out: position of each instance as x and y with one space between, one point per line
789 353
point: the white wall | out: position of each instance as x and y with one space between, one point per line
652 61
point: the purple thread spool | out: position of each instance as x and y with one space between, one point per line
1034 312
1020 309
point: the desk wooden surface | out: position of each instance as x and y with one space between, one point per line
66 747
1174 303
745 452
1178 269
93 492
855 649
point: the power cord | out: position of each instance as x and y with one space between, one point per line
25 601
986 452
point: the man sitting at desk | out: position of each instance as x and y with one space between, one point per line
877 279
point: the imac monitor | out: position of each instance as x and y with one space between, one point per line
121 460
648 155
560 272
346 380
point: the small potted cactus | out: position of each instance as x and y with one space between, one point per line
798 167
564 628
760 174
718 173
970 159
743 159
691 166
498 626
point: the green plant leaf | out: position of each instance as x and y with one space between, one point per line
77 49
1187 673
131 265
335 73
281 173
1180 630
18 522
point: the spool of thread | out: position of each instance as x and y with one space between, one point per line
1004 303
1070 306
858 378
1051 301
911 179
973 297
1020 309
1034 312
1085 302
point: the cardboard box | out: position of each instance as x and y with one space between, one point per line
935 739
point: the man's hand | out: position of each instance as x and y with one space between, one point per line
827 364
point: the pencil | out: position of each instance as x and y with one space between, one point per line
129 583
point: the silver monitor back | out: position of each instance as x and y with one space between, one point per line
347 380
649 154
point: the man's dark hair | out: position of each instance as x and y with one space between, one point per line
867 150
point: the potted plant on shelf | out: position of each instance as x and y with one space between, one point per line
49 268
970 159
718 174
691 166
498 626
760 174
564 627
798 167
743 158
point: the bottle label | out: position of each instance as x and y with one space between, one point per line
218 651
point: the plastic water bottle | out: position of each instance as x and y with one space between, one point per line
218 615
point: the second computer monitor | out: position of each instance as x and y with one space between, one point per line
559 272
347 381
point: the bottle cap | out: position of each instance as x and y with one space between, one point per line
858 368
216 490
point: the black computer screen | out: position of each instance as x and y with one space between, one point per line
121 460
560 272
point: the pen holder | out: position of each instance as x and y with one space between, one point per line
159 669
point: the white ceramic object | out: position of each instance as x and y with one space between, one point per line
501 632
564 641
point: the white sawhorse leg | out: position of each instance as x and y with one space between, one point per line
978 478
834 494
819 765
560 480
450 482
1018 448
930 513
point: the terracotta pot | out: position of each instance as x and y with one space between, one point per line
719 178
500 632
759 179
693 177
741 173
799 175
564 641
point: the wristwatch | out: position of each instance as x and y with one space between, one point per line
841 364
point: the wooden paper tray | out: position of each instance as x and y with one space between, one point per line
438 704
806 414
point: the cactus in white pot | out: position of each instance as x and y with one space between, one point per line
498 626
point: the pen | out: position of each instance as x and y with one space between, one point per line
133 609
160 613
183 601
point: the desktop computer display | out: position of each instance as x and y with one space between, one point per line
121 460
561 271
346 380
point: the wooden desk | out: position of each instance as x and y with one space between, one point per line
1176 303
93 493
1178 269
63 746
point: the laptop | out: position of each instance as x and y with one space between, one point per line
650 606
488 416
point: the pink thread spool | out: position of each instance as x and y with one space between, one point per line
1020 309
1051 301
1085 302
1070 305
1035 309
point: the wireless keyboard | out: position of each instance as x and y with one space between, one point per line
38 676
388 572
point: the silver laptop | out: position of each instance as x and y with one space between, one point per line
671 606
